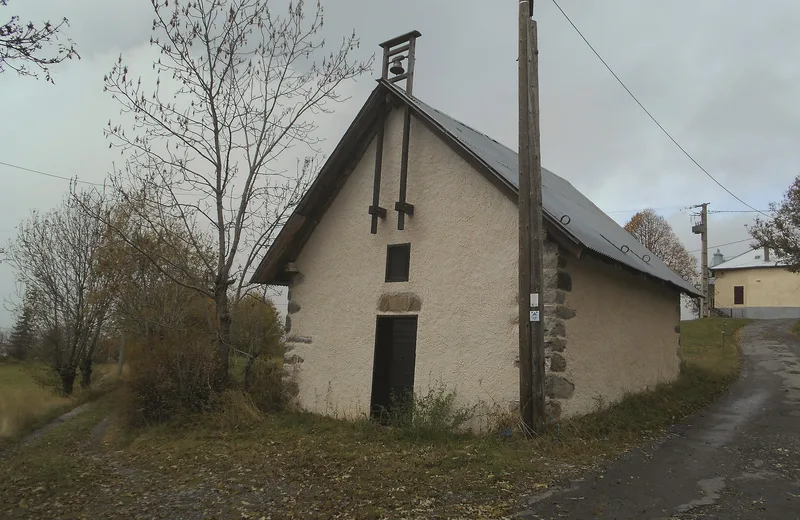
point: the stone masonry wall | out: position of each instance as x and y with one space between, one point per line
557 285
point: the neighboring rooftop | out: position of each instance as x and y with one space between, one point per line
750 259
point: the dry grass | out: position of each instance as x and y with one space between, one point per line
795 328
295 465
25 402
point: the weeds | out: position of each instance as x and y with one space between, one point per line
794 330
433 415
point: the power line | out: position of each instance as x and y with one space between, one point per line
642 209
737 211
38 172
721 245
681 148
54 176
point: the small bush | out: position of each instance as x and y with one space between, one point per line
270 386
169 378
430 416
235 410
44 375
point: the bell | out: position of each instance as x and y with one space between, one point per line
397 66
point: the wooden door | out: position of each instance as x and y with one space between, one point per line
394 363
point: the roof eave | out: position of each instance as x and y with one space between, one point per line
326 185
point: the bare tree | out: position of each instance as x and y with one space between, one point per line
55 255
23 44
237 86
781 231
654 232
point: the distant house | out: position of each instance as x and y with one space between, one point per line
756 285
401 263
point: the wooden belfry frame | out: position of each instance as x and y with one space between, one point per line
393 52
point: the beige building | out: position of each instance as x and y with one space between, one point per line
401 264
756 285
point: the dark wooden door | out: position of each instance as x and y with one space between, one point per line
394 362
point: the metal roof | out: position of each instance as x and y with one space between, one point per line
749 259
577 215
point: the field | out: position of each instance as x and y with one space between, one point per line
23 402
28 397
297 465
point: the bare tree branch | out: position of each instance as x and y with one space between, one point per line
23 44
237 88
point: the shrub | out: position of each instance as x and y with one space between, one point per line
44 375
169 378
235 410
271 387
429 416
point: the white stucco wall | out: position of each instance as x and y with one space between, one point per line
464 248
623 337
463 237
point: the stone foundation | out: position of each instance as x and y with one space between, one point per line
557 285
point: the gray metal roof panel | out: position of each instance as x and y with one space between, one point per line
581 218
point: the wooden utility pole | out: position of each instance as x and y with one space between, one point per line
704 257
531 232
702 230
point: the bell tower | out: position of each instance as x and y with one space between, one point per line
393 70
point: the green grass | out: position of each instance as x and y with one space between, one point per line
23 402
26 403
298 465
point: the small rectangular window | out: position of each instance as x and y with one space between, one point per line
398 258
738 295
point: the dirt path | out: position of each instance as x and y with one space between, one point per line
738 460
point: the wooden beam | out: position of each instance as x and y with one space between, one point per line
399 77
375 210
398 50
401 39
404 167
412 60
404 207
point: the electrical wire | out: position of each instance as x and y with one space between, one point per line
642 209
721 245
54 176
737 211
681 148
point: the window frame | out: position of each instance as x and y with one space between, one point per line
390 248
740 290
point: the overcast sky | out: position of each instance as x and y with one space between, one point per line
723 79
